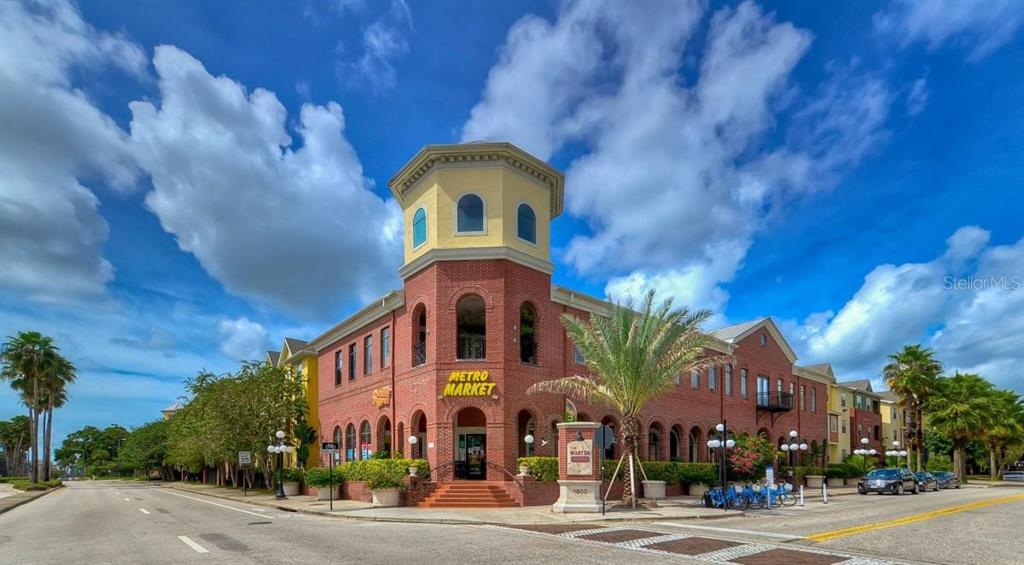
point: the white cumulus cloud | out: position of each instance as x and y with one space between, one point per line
677 169
243 339
967 304
54 138
300 228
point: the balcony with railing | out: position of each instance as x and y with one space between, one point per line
419 354
775 401
471 347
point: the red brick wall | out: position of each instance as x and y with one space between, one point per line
868 420
505 286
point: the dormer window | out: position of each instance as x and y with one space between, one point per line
527 223
419 228
470 214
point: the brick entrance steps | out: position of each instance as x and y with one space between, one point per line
469 494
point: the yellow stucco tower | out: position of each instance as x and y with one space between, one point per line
478 200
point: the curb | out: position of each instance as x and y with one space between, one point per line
449 521
28 499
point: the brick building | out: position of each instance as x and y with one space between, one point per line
446 360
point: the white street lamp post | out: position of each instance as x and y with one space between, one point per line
279 448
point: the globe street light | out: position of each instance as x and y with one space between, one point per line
412 446
279 448
529 444
724 443
863 452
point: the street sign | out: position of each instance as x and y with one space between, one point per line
329 446
244 457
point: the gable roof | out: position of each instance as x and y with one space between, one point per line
824 368
859 384
273 357
736 333
889 396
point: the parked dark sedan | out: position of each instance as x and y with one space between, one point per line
893 481
926 481
947 479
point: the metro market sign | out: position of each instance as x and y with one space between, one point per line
469 383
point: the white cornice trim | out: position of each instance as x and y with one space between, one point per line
596 306
505 154
475 254
363 317
769 325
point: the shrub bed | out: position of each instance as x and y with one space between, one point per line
41 485
382 473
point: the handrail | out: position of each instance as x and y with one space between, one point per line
438 477
501 468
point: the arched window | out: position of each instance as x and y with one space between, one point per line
419 228
472 328
470 214
673 443
527 224
527 334
365 449
350 443
419 336
694 442
337 435
654 442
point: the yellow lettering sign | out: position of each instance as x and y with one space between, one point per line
469 383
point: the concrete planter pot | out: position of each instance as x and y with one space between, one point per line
835 482
698 489
384 497
814 481
524 470
654 490
324 493
291 488
412 471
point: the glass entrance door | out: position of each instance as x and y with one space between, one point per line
471 457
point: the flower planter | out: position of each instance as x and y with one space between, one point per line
291 488
698 489
386 497
835 482
524 470
412 471
814 481
324 493
654 490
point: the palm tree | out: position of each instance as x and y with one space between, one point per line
59 374
1006 428
961 411
26 358
635 355
913 374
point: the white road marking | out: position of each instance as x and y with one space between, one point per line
127 500
116 492
144 511
215 504
193 545
730 531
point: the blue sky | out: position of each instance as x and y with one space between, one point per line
171 169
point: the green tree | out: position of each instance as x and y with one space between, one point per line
960 410
93 449
28 359
913 374
14 439
60 373
635 355
145 448
1006 429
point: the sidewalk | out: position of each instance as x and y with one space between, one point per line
12 499
679 508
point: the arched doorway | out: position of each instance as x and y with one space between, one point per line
525 425
470 444
418 428
674 439
384 435
694 441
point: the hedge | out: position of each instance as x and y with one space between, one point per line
382 473
322 476
41 485
545 469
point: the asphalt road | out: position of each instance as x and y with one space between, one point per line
114 522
